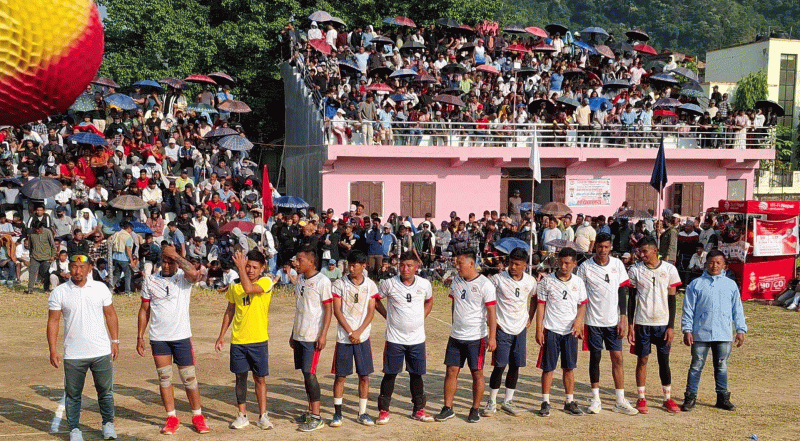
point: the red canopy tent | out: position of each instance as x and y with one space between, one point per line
766 265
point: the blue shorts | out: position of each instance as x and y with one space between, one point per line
598 337
345 354
414 356
556 344
459 351
250 357
511 349
647 335
306 356
181 350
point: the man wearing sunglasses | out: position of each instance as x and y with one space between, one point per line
86 307
165 305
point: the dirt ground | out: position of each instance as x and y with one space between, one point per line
762 379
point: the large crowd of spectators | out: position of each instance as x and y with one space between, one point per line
382 86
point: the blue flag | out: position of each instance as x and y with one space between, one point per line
659 178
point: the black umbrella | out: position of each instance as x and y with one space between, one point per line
514 29
637 35
380 70
348 66
41 188
441 98
620 47
776 108
535 105
616 84
447 22
555 28
453 69
379 41
412 47
526 71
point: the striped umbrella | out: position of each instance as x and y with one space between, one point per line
219 132
235 142
200 108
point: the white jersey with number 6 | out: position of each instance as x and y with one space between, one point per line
602 286
512 301
405 309
561 301
355 302
652 289
309 317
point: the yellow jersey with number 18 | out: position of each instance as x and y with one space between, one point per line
251 319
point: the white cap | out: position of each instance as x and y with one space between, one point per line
340 110
171 141
151 160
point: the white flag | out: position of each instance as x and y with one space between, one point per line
534 162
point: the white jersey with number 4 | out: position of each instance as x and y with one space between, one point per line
470 299
309 318
602 287
512 301
652 289
169 299
561 301
405 309
355 302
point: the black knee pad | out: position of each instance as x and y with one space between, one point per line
312 387
241 388
512 377
594 366
663 369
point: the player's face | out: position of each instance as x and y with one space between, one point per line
78 271
304 264
253 270
516 268
649 254
715 265
356 268
168 267
565 266
603 249
464 265
408 268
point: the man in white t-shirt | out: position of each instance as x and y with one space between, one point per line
87 310
409 300
310 331
559 324
514 315
354 306
550 234
651 315
607 284
165 305
473 308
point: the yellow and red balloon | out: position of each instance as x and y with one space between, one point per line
49 51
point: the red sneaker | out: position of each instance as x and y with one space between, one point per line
199 423
383 418
172 425
671 406
423 416
641 405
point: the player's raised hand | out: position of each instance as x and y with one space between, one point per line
239 259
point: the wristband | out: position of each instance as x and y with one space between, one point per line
115 341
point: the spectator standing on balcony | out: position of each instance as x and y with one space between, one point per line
583 114
367 114
724 108
386 116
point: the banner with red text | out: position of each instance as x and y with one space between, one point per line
589 192
775 238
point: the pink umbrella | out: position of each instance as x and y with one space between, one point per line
518 48
404 21
221 77
488 69
320 45
539 32
544 47
604 51
199 78
234 106
645 49
378 87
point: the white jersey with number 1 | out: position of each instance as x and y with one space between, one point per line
652 289
512 301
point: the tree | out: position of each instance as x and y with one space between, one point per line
750 89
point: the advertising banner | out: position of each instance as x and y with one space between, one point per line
589 192
775 238
765 280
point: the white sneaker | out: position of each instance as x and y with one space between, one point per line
625 408
595 406
792 307
264 422
75 435
108 431
240 422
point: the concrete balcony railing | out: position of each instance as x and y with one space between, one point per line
458 134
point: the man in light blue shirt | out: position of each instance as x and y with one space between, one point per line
711 303
628 117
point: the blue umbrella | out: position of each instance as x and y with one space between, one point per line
403 73
147 83
585 46
693 93
235 142
141 228
84 103
594 30
663 77
290 202
659 180
527 206
88 138
397 98
122 101
508 244
219 132
389 20
597 101
694 108
348 65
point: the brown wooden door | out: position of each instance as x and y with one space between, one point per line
641 196
560 190
418 198
692 199
369 193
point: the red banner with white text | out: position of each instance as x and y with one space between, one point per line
775 238
766 279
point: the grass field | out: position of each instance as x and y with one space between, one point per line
762 380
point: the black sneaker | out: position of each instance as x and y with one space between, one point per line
689 400
724 401
545 410
474 416
573 409
445 414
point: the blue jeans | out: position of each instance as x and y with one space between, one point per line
74 379
125 268
9 272
272 262
720 351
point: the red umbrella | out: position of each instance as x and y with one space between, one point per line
517 48
539 32
449 99
234 106
544 47
320 45
604 51
466 28
221 77
665 113
200 79
593 76
425 78
244 226
107 82
174 82
404 21
378 87
645 49
488 69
